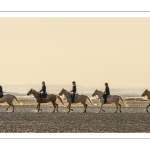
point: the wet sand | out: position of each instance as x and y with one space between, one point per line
132 119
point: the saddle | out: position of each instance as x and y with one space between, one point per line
106 98
1 96
43 95
76 96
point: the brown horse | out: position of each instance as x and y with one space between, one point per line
147 93
9 99
81 99
50 98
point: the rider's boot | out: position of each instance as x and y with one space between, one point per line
41 99
72 100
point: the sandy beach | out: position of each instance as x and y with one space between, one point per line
132 119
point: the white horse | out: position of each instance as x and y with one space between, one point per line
9 99
110 99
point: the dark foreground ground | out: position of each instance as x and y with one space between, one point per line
25 119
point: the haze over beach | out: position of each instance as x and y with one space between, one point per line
54 88
90 51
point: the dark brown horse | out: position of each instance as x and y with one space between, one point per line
147 93
50 98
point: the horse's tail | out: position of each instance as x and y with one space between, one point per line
17 100
91 101
59 98
123 101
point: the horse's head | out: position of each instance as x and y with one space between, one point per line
144 93
30 92
63 91
95 93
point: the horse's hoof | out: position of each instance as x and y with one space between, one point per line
147 111
115 112
84 112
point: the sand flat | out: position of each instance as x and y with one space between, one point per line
133 119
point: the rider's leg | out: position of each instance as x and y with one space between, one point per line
105 98
73 96
42 97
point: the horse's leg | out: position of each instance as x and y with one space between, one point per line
54 106
13 107
57 107
147 107
101 107
69 106
85 106
103 110
116 107
39 107
8 106
120 107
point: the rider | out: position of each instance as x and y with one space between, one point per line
1 91
106 93
43 90
73 90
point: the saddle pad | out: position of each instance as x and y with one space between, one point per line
44 96
76 96
109 96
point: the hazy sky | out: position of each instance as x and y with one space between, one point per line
90 51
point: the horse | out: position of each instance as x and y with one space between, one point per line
9 99
81 99
147 93
50 98
110 99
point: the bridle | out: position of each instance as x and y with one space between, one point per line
98 94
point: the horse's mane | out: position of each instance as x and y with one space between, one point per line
99 90
33 89
65 90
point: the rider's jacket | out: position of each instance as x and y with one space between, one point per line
107 91
43 89
1 89
74 88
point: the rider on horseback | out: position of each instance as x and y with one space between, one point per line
43 90
106 93
1 91
73 91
